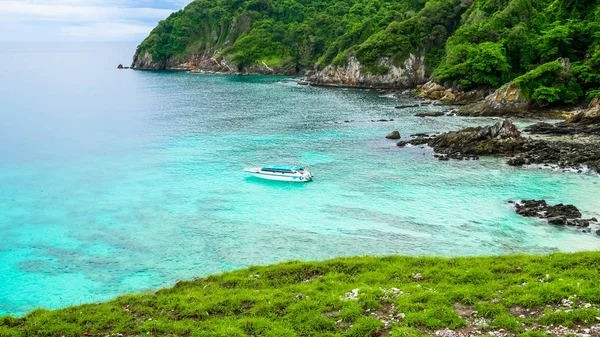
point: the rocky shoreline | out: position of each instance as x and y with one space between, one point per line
505 140
569 145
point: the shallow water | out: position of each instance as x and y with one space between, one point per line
113 181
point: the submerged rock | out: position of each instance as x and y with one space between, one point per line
430 114
393 135
408 106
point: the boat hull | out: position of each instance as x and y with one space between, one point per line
294 178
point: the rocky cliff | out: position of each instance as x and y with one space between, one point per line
435 91
407 75
505 101
207 61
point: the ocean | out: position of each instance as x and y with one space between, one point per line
116 181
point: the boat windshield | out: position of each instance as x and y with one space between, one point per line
279 168
276 170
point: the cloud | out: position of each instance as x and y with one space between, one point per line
105 31
78 13
88 20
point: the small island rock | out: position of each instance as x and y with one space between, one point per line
393 135
559 214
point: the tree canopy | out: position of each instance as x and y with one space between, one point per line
466 43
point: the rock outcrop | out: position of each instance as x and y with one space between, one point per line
505 101
501 139
393 135
589 116
504 140
566 215
411 73
562 155
436 91
582 123
206 62
430 114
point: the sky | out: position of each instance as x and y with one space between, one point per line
82 20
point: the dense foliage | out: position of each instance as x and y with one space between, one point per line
277 32
348 297
466 43
549 46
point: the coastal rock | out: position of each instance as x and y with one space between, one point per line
561 215
205 62
563 211
589 116
507 100
353 74
393 135
581 123
531 208
120 66
407 106
563 155
436 91
145 61
430 114
504 139
563 129
510 100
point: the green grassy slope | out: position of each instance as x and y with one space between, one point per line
393 296
466 43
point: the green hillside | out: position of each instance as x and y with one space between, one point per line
466 43
529 296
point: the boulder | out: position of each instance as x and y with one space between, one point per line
557 220
564 211
589 116
393 135
531 208
583 223
501 130
436 91
120 66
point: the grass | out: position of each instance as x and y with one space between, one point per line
397 296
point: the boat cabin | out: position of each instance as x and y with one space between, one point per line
281 168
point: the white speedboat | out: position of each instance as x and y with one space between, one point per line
295 174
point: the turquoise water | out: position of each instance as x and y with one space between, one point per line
118 181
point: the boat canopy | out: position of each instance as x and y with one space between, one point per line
282 168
